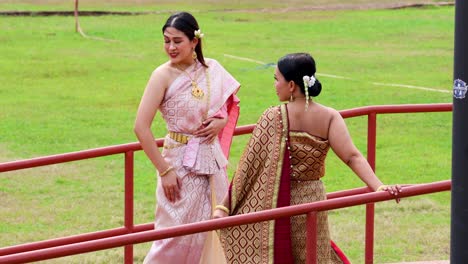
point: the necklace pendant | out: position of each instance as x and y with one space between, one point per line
197 92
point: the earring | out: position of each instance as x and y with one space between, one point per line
194 55
291 98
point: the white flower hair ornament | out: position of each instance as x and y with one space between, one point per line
309 81
198 34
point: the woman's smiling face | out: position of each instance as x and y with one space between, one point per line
178 46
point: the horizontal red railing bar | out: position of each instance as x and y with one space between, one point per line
241 130
90 153
349 192
74 239
72 156
395 109
147 236
355 191
122 230
63 241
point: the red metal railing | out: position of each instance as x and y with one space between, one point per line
130 234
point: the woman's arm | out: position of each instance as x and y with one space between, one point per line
343 146
222 210
149 104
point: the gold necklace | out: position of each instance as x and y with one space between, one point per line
197 92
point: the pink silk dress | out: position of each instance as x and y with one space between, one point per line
194 161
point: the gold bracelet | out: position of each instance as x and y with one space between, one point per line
381 188
162 174
223 208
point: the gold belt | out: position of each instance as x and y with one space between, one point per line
179 137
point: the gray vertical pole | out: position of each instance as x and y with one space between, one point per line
459 221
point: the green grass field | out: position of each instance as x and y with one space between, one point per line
60 92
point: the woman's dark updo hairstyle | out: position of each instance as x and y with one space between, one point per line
295 66
186 23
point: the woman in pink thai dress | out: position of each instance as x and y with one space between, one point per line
196 97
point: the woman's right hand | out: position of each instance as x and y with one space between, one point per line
171 185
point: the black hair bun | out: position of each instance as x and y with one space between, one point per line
315 89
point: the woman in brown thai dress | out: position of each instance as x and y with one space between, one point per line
282 165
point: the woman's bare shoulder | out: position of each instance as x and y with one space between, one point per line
163 69
165 73
323 109
332 113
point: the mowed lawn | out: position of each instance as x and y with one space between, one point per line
60 92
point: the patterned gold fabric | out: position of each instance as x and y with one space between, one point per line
255 188
308 155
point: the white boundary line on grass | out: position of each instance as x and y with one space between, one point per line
412 87
244 59
347 78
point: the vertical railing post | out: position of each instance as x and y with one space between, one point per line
129 160
311 238
371 139
459 208
370 208
77 24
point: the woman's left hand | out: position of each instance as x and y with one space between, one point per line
392 189
211 128
218 213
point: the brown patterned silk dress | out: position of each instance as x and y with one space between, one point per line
308 155
264 180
